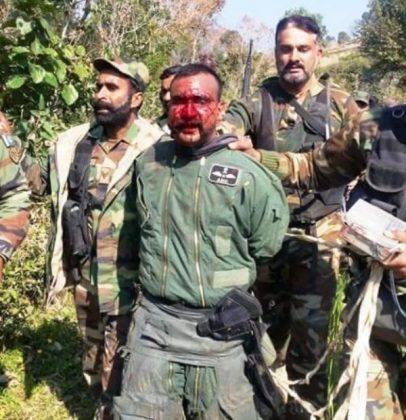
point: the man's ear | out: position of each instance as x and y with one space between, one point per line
320 51
221 109
137 99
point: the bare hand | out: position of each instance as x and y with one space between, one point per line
397 262
244 144
5 127
398 235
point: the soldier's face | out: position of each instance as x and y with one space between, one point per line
115 99
194 109
297 54
165 92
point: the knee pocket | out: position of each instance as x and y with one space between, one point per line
126 408
146 374
235 392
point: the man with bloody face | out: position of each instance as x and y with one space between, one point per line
206 215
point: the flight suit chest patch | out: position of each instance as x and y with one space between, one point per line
225 175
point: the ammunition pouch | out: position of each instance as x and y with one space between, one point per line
314 206
75 238
236 316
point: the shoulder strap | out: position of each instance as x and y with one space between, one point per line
319 127
78 180
265 133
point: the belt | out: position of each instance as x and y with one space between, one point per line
177 309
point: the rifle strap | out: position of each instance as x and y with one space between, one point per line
265 137
320 128
78 179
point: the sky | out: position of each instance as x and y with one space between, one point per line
337 15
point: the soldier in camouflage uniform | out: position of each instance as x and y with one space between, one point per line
14 195
301 280
166 78
338 161
104 292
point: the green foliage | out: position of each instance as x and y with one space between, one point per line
335 336
42 74
351 73
43 366
343 37
23 284
356 72
382 33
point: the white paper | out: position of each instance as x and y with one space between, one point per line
365 228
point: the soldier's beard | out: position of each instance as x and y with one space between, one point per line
115 117
295 79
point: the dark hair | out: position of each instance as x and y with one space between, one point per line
197 68
305 23
170 71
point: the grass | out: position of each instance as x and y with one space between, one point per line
43 366
334 362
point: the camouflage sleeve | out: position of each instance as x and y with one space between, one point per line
240 116
335 163
343 107
14 200
36 170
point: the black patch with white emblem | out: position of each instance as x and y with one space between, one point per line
225 175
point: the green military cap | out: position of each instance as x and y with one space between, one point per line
361 96
135 70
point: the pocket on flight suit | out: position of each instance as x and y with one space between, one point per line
235 392
127 409
145 391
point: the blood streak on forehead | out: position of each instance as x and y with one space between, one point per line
193 94
192 102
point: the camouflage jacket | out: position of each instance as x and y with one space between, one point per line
339 160
243 116
14 198
111 271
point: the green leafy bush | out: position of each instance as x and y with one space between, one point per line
23 285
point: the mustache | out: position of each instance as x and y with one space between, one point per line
292 65
98 105
183 124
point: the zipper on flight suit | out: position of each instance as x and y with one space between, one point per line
166 231
196 232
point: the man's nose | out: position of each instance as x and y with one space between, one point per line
100 94
189 110
294 55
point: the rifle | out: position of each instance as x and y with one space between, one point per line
246 81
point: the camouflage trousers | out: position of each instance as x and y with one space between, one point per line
102 335
173 373
297 291
385 387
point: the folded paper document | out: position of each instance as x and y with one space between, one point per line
366 227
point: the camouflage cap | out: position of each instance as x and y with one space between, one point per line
361 96
135 70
